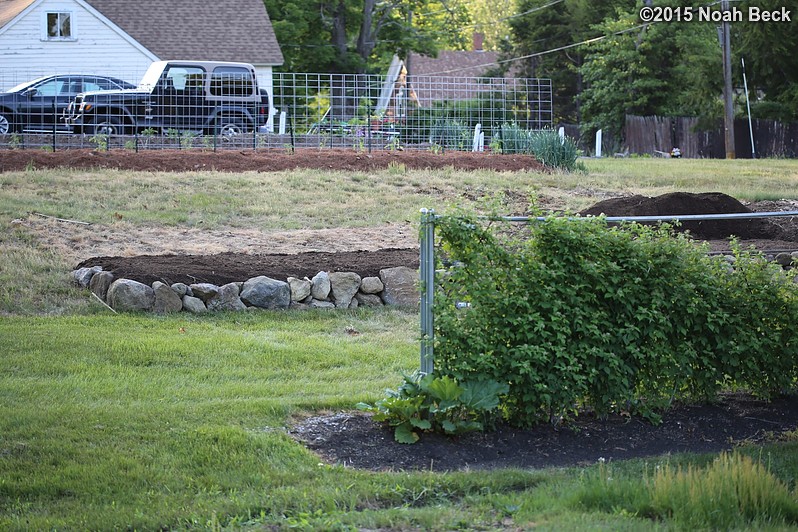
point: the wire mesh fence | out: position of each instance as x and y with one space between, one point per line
188 109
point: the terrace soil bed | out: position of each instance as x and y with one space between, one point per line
351 438
263 160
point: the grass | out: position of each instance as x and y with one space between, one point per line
313 199
147 422
180 422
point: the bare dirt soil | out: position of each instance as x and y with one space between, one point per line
351 438
266 160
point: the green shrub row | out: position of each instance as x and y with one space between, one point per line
580 315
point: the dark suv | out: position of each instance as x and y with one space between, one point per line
38 105
204 97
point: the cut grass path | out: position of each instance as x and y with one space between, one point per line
146 422
115 420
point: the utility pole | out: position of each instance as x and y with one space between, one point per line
728 104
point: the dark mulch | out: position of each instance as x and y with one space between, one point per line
354 440
264 160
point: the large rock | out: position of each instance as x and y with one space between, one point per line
83 276
368 300
194 305
401 286
128 295
227 298
320 286
371 285
182 289
343 287
204 291
166 299
100 283
265 292
300 288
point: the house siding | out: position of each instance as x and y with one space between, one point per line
97 48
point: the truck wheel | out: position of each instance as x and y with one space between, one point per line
229 127
5 123
107 125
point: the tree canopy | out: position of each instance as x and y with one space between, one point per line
650 69
672 68
358 36
602 60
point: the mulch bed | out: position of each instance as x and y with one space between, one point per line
354 440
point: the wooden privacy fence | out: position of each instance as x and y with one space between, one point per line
650 134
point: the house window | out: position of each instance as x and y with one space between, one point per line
59 25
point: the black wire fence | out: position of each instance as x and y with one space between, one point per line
289 110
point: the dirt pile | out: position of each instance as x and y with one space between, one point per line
686 203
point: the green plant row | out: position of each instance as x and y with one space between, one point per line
577 314
546 145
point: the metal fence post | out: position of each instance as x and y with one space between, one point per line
427 264
55 124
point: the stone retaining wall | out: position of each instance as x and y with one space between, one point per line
394 286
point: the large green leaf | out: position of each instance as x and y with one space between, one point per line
445 389
404 433
423 424
482 395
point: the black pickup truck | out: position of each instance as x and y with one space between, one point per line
203 97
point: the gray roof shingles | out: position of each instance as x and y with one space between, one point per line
455 64
232 30
11 8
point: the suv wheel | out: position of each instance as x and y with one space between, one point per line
229 127
5 124
107 125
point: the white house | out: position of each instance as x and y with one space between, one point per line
122 37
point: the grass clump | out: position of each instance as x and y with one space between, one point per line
553 151
732 492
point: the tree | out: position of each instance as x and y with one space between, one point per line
544 25
490 18
358 36
771 61
297 24
663 69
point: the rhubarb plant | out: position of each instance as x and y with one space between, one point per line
439 404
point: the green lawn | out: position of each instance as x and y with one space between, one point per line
148 422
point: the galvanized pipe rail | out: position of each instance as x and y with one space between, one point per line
427 260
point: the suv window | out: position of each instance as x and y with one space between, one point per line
185 78
231 81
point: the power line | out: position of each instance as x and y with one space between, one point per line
496 21
534 9
546 52
447 32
